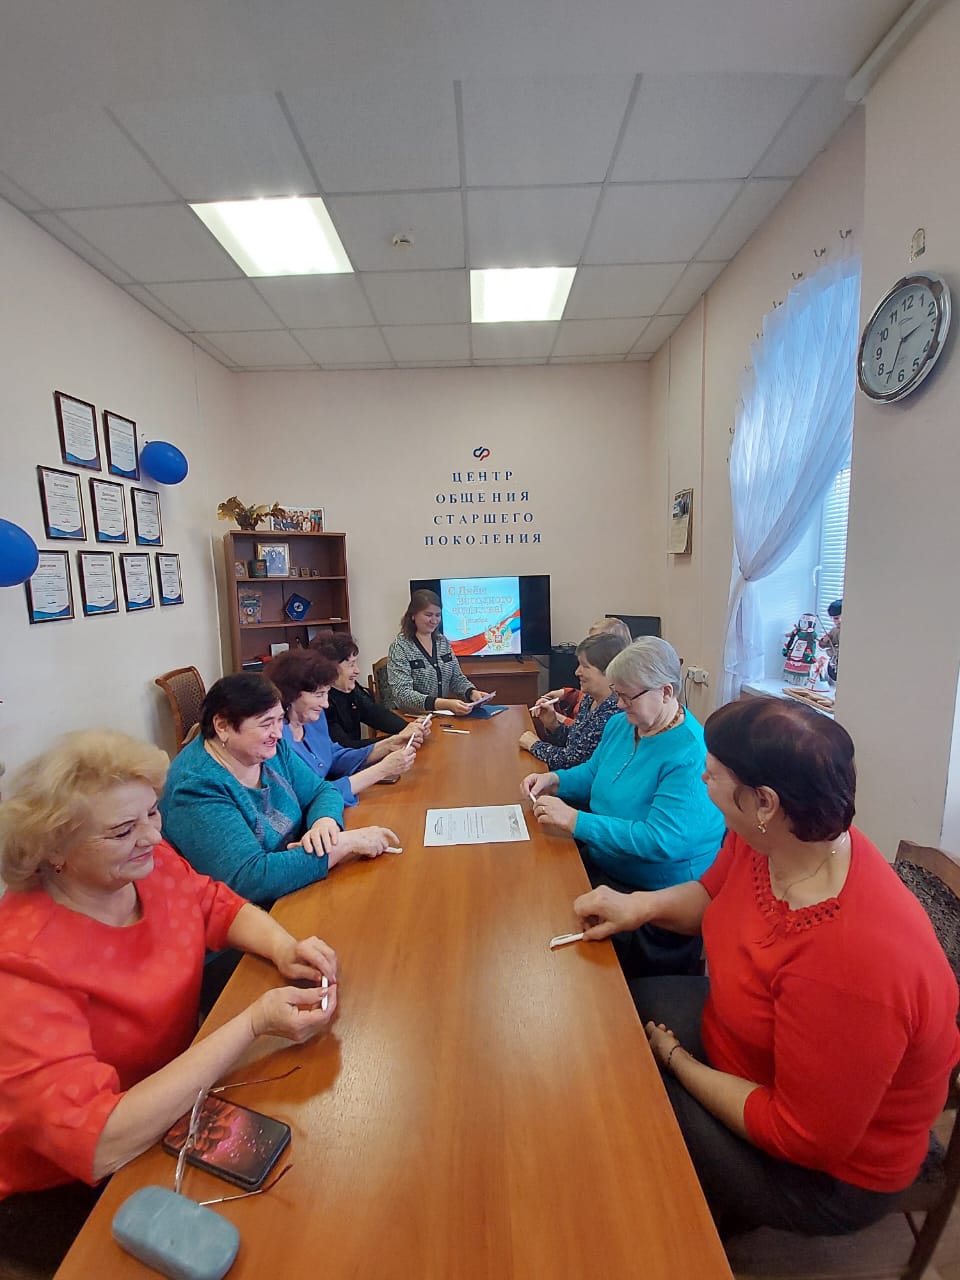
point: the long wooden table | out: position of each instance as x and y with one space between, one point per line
483 1108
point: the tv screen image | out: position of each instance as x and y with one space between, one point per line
485 617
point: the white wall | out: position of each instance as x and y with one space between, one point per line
375 448
64 327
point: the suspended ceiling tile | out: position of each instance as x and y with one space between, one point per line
418 297
201 341
597 337
379 135
276 349
217 305
586 359
310 302
655 334
155 242
54 224
433 220
221 147
508 360
657 222
538 227
23 200
349 345
704 126
78 160
432 364
808 131
152 303
637 290
514 341
542 129
690 288
753 205
428 342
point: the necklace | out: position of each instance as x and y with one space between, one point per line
663 729
781 893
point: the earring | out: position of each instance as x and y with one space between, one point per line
58 868
761 826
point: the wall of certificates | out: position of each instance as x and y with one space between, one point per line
142 576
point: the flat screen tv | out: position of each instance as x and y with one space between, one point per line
489 617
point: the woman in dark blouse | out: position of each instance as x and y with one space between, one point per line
351 706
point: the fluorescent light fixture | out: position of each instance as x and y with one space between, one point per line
283 236
519 293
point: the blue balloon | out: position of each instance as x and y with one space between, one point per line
19 556
164 462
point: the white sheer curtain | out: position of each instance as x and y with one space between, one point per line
793 434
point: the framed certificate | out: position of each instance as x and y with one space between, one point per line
168 576
136 579
109 511
148 532
77 423
120 437
49 593
98 582
62 505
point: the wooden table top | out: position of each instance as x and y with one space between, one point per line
483 1108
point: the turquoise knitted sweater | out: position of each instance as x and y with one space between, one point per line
240 834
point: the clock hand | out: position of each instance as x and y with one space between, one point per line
896 356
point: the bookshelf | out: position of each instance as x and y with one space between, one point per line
323 554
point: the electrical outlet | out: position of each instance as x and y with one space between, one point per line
698 675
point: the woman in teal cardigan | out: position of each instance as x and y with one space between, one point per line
643 818
242 808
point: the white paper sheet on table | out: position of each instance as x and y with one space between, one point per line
484 824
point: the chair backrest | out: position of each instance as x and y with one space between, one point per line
378 684
934 877
185 693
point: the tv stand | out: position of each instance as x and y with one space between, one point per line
514 677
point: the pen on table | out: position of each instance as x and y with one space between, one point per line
325 1002
464 731
564 939
393 848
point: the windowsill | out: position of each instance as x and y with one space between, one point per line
774 689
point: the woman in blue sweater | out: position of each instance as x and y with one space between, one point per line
643 818
304 677
241 807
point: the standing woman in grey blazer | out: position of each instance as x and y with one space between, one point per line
422 669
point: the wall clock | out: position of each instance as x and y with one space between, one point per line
904 337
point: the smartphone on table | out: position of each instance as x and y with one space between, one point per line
231 1141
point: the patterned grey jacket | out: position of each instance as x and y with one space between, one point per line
416 680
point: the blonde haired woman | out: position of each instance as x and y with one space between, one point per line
104 931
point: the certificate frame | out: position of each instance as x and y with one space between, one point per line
146 506
167 562
120 439
57 564
93 607
63 508
77 427
99 496
127 568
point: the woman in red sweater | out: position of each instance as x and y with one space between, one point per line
807 1071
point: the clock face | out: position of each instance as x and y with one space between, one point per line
904 337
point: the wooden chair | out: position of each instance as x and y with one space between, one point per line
934 878
378 685
185 693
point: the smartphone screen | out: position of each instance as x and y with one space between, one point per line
232 1141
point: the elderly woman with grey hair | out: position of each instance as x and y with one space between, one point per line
643 818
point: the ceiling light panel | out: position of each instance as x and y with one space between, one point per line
284 236
519 294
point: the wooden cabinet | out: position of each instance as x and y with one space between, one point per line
258 607
515 681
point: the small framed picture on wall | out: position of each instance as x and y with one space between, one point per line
62 504
109 511
137 581
98 582
77 424
120 436
168 576
49 592
147 528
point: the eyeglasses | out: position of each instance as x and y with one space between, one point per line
629 697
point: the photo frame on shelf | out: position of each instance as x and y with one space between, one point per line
277 556
62 504
109 511
77 425
170 584
49 589
250 604
97 572
147 525
298 520
120 439
136 580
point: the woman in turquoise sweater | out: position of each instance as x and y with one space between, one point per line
643 818
242 808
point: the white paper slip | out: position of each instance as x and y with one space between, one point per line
564 940
486 824
441 713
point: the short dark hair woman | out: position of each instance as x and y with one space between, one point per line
422 669
351 706
807 1071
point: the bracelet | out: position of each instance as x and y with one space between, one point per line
666 1065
